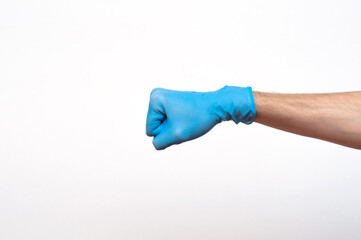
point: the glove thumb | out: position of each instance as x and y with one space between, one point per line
162 140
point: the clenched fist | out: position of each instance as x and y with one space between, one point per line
178 116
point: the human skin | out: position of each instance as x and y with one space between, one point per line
334 117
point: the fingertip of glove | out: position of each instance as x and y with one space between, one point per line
148 133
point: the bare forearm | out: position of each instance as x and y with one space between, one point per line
334 117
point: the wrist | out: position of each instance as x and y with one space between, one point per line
235 103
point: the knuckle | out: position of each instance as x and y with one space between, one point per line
155 90
157 95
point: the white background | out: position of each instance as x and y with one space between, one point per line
75 79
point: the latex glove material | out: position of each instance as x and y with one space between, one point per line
178 116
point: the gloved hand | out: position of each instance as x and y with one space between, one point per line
178 116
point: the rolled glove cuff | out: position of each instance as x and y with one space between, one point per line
236 103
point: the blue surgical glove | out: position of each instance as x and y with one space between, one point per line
178 116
